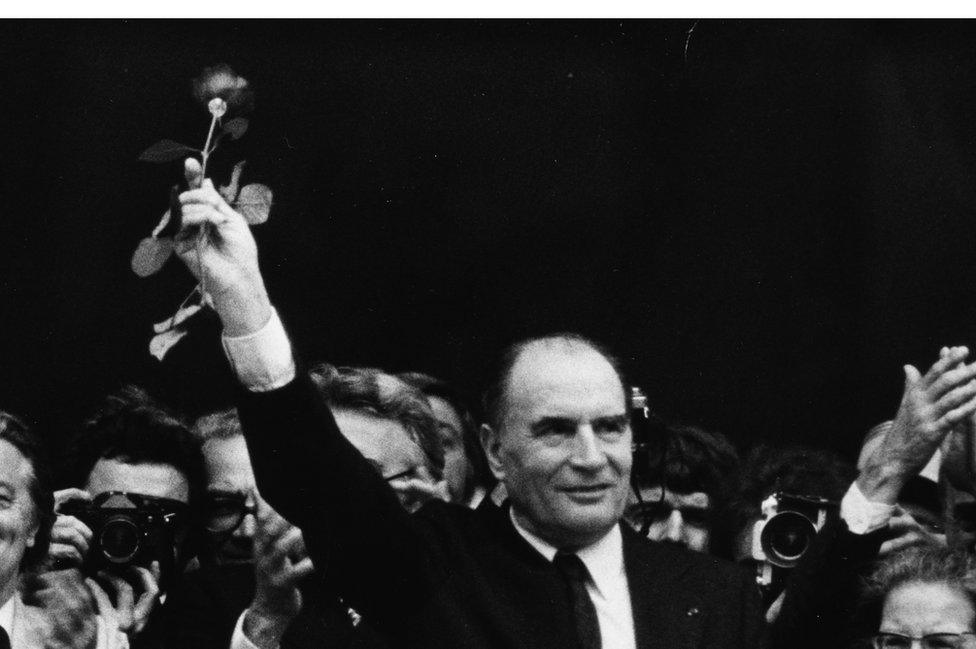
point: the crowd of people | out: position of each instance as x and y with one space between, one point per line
353 507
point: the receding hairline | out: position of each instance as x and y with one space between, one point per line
497 397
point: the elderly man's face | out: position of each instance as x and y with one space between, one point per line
564 447
18 519
230 480
387 445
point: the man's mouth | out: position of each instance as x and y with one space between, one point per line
587 492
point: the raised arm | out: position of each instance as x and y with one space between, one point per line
357 534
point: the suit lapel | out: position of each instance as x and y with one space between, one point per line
662 617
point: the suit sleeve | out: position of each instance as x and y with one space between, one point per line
820 605
357 534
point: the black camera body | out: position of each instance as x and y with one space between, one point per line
129 529
786 531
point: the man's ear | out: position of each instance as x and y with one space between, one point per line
32 535
491 443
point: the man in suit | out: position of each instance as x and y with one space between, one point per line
56 609
553 567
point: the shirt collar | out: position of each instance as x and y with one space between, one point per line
604 559
7 614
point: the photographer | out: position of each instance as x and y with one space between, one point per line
129 520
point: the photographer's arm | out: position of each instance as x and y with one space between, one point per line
304 467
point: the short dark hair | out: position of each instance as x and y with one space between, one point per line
134 428
495 396
431 386
16 433
689 459
383 395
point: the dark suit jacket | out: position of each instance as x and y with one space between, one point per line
453 577
202 610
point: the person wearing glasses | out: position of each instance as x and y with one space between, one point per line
138 465
927 596
252 590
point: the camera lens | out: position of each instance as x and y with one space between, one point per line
119 539
786 537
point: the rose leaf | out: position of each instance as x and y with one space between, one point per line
236 127
151 255
162 343
166 151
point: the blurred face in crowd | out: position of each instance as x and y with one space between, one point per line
675 517
230 498
563 450
386 444
457 467
919 609
18 518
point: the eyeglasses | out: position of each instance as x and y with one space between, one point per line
225 512
930 641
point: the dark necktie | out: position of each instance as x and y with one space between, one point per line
575 574
4 639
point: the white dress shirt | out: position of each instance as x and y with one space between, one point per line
862 515
607 585
7 615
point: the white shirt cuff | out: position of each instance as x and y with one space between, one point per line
262 360
239 640
862 515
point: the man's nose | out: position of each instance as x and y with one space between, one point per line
675 527
247 527
588 453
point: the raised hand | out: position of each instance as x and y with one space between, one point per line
280 564
216 244
67 610
931 405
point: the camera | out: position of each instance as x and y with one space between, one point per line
130 529
786 531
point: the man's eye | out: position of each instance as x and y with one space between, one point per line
557 430
610 429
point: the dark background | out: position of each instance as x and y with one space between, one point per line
765 219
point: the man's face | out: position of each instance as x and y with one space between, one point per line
457 468
230 480
386 445
156 480
679 518
18 520
564 445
